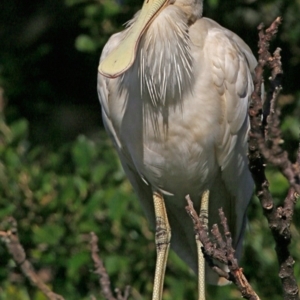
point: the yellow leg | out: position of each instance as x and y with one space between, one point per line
201 259
162 241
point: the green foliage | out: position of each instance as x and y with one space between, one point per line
213 3
99 19
59 196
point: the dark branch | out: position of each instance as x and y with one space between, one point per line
265 139
222 251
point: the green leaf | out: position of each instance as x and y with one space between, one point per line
115 263
83 153
85 43
19 129
76 262
110 8
49 234
213 3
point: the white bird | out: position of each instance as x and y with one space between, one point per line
174 89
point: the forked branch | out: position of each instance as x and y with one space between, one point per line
221 251
265 140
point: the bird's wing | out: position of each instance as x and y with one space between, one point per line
232 63
104 87
104 93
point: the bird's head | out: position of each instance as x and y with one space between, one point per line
122 57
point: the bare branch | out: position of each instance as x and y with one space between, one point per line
200 229
11 240
265 139
237 275
223 252
104 280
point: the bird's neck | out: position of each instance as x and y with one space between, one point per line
164 59
192 8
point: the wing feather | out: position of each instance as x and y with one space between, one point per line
233 65
104 86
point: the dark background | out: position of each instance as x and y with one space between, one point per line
50 50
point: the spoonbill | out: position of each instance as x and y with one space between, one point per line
174 88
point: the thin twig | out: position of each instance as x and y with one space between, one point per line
11 240
100 270
237 275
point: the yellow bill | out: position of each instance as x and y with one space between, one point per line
122 57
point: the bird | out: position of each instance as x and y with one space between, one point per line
174 88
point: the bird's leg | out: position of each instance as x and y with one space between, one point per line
162 241
201 260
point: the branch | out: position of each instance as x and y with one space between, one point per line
222 251
265 139
104 280
12 243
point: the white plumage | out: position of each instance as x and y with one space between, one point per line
178 119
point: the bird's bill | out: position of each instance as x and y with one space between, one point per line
122 57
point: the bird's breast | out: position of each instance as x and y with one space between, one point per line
166 114
173 149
